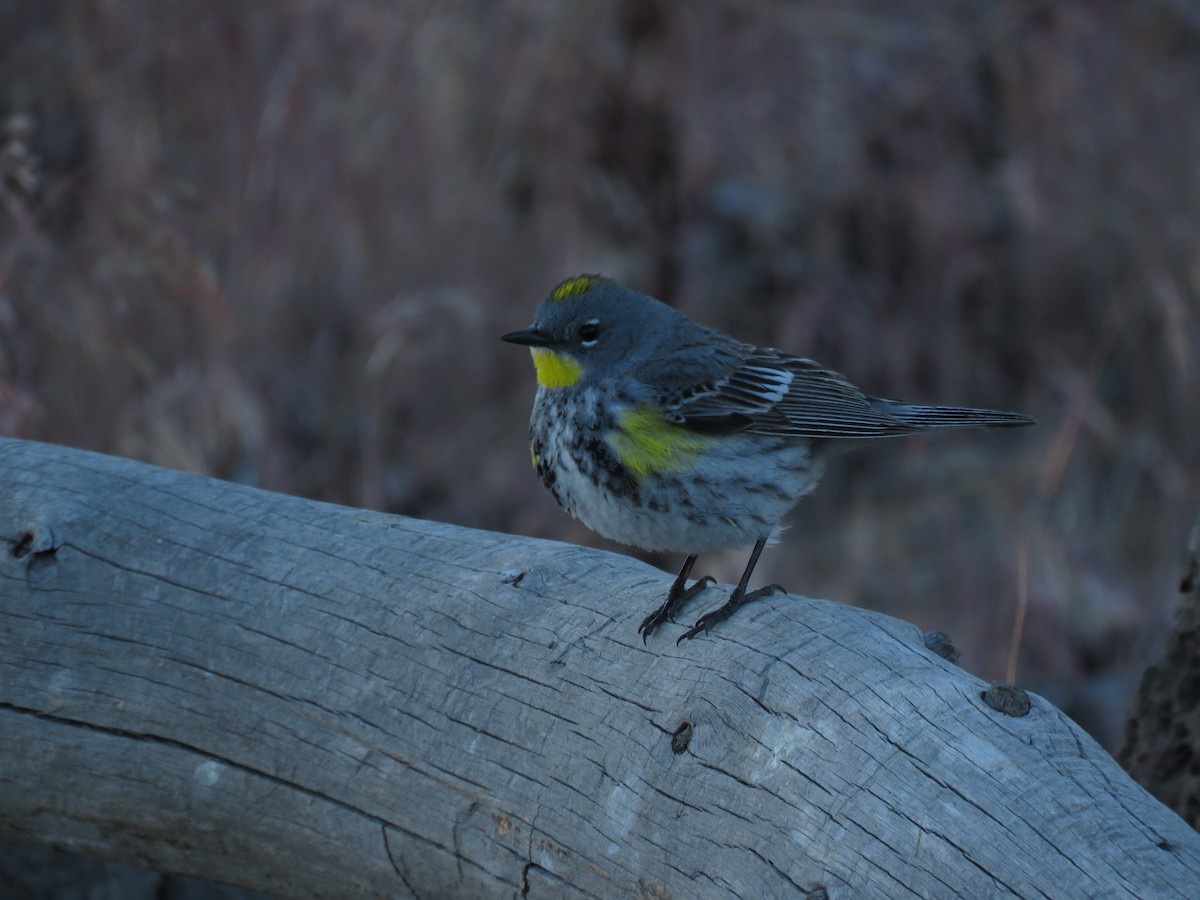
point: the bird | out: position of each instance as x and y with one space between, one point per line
658 432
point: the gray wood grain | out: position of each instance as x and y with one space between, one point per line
311 700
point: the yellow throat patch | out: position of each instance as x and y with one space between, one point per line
554 370
647 444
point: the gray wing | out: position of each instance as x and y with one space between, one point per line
768 392
713 383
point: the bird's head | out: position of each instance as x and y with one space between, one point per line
588 323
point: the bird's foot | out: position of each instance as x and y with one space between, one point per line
676 600
708 620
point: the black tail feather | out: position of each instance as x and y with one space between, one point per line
924 417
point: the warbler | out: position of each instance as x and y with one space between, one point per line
658 432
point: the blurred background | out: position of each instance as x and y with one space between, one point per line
276 242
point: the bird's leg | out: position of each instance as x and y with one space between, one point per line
676 598
738 598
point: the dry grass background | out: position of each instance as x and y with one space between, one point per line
276 242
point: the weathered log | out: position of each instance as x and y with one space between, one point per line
210 679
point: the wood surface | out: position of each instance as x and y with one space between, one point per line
315 701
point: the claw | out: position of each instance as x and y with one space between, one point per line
675 601
735 602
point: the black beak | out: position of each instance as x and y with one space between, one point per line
530 337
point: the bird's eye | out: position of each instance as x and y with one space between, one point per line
589 333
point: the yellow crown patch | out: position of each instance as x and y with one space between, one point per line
573 287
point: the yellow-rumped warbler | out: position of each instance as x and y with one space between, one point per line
658 432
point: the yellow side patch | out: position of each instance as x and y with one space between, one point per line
572 287
554 370
533 456
647 444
